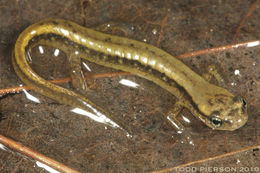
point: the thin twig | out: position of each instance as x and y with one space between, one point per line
206 159
35 155
18 89
244 19
163 23
220 49
113 74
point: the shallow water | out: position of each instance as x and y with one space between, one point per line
87 145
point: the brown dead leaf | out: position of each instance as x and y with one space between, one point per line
177 27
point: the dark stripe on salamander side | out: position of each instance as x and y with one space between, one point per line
113 60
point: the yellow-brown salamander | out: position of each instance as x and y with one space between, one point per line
215 106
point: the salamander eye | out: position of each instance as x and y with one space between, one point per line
217 122
243 102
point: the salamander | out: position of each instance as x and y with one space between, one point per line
215 106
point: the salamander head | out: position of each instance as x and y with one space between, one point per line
227 113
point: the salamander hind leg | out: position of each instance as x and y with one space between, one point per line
77 77
172 114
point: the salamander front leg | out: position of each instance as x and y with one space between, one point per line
172 114
212 72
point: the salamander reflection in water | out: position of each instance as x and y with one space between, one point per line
213 105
